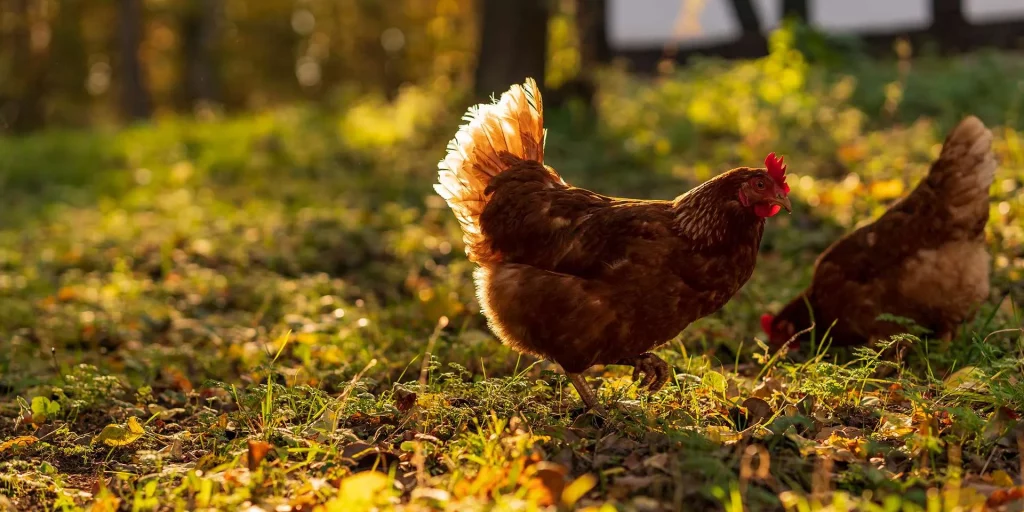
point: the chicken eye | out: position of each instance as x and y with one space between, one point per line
760 184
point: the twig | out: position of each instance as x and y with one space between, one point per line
1003 331
778 353
424 369
56 365
988 460
352 383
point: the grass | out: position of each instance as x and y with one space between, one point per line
274 311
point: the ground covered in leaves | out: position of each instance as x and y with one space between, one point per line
274 312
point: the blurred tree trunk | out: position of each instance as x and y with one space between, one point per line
750 24
745 13
949 25
199 29
592 27
68 80
135 101
595 52
30 44
796 9
513 44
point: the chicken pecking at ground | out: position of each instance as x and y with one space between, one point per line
924 259
584 279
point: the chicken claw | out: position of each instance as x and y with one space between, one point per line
586 393
655 370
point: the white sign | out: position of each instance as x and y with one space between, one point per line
641 24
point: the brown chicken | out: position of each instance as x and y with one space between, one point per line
584 279
924 259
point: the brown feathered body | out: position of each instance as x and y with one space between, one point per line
575 276
924 259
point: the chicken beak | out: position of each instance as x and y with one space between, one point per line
783 201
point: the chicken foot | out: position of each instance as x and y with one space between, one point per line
654 368
586 393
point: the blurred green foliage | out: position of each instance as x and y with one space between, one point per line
60 61
260 53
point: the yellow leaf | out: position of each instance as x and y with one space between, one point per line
716 381
577 489
17 441
1002 478
968 378
117 435
359 491
722 434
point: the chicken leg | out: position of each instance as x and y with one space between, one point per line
586 393
654 368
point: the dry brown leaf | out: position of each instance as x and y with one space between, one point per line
841 431
257 452
767 387
659 462
616 444
404 399
632 482
547 481
758 411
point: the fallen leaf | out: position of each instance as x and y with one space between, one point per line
716 381
577 489
257 452
1002 478
632 461
174 450
362 488
967 378
841 431
404 399
117 435
999 423
547 481
659 462
17 441
722 434
616 444
758 410
767 387
164 413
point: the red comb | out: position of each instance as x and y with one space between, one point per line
766 323
777 170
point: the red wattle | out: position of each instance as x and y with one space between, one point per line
766 323
766 210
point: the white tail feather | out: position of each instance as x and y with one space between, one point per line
514 124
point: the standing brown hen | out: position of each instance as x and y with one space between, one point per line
924 259
584 279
